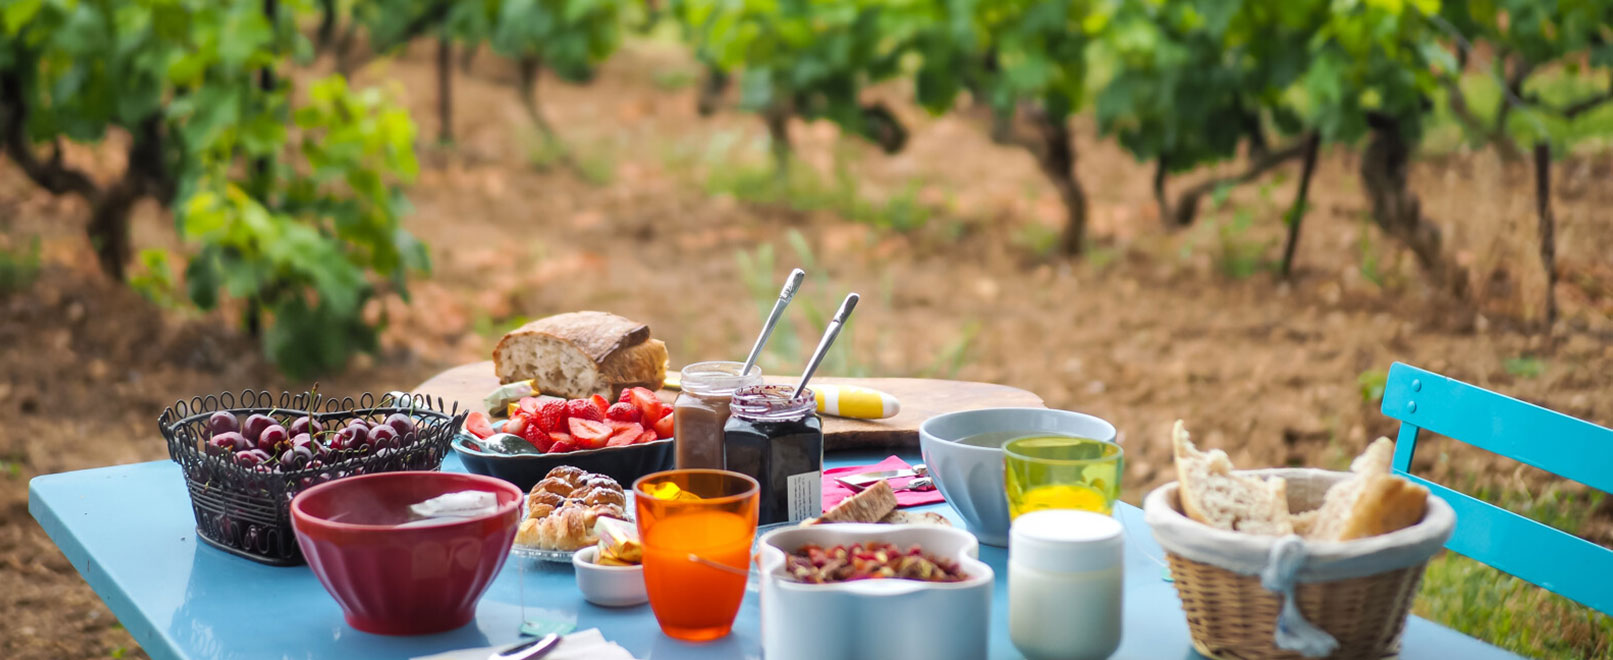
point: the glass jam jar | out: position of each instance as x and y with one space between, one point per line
777 438
702 408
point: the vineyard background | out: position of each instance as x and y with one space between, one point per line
653 181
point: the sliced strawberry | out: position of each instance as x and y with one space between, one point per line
562 446
559 437
623 412
599 402
517 423
626 430
649 406
620 441
529 404
666 411
583 409
478 424
589 434
616 426
537 436
551 416
664 428
647 436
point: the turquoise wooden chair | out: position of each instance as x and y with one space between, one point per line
1551 441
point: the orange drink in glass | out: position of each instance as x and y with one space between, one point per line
697 527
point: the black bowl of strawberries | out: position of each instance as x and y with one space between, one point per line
624 440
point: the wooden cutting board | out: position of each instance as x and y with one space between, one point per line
921 399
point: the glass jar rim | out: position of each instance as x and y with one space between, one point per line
772 401
717 377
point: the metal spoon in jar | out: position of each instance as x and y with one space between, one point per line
829 335
785 295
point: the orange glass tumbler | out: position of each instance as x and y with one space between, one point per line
688 540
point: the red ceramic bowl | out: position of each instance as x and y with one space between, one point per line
393 580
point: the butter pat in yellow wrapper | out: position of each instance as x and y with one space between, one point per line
667 490
855 402
498 401
618 541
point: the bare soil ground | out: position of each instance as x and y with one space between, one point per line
1150 328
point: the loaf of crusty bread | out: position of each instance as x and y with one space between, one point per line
1213 495
1371 502
579 354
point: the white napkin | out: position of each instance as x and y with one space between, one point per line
586 645
461 504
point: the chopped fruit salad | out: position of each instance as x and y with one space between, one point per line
553 426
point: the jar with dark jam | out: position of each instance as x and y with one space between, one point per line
777 438
702 408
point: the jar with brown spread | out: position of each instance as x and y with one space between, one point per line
777 438
702 408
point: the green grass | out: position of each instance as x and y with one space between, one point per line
798 331
672 80
19 267
1480 601
1524 367
802 188
595 166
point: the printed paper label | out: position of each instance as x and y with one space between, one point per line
806 495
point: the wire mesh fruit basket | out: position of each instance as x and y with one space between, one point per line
246 455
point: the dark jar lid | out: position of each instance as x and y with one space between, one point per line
772 403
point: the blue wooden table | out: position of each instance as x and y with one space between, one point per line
128 530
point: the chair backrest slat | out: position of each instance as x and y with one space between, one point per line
1536 553
1549 440
1524 432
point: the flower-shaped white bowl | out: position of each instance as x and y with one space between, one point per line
875 618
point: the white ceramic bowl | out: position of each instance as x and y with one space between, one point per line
608 586
875 618
971 477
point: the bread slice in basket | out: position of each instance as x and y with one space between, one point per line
1212 494
1370 502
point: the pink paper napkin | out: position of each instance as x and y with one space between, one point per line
833 492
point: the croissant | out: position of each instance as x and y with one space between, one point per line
541 502
602 496
568 473
562 509
555 485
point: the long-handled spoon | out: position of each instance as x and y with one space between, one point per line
785 295
829 335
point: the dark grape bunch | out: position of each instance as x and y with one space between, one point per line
265 444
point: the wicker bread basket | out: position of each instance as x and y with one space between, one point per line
1357 592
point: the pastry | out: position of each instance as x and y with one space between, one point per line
579 354
563 507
